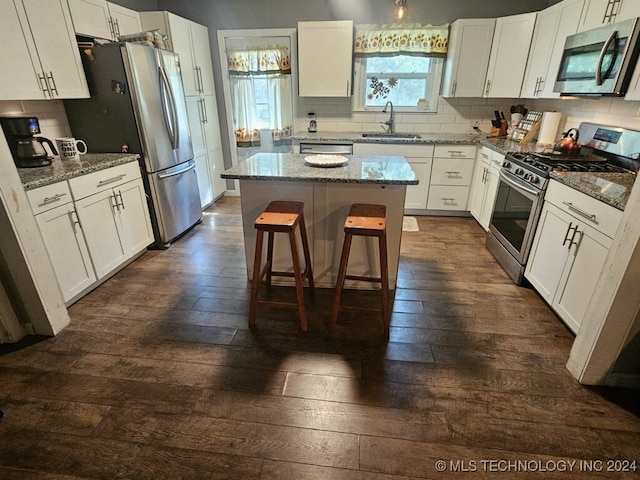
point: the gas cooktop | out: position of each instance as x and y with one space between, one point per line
544 163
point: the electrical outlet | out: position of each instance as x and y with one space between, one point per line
474 123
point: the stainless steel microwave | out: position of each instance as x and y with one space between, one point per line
599 61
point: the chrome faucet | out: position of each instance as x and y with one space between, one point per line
389 123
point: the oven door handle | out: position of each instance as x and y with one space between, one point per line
518 184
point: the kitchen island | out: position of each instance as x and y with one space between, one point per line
327 194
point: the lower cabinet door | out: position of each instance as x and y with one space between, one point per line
99 221
135 225
548 254
67 249
579 280
446 197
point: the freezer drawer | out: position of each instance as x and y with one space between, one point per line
176 199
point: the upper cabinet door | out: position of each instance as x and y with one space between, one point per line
91 18
325 58
468 57
509 52
553 26
180 37
597 13
57 49
124 20
202 59
20 81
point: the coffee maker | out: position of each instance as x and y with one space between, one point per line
27 148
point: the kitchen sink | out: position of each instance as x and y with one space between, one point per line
390 135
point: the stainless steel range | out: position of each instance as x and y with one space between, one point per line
523 181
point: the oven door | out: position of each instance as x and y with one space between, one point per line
515 214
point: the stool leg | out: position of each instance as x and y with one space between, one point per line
255 283
384 280
342 272
307 257
269 266
299 281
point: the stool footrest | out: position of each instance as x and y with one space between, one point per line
349 308
365 279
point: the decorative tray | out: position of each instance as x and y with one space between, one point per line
325 160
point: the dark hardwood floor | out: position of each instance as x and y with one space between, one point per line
158 377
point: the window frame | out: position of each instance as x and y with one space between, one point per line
432 93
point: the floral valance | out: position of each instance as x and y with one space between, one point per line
409 39
259 60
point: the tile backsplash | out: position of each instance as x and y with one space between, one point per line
457 115
51 115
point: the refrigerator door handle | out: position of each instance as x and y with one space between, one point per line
169 108
178 171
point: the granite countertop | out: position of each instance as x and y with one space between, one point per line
370 169
610 188
61 170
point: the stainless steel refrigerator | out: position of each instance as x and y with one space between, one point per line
137 105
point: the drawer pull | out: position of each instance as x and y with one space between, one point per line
484 155
55 198
111 180
449 201
579 211
453 174
456 153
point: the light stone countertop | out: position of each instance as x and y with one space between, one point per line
610 188
61 170
287 167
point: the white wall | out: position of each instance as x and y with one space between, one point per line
50 113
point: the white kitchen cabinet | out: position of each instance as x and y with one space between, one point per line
597 13
420 159
63 238
191 42
509 52
484 188
468 55
112 208
553 25
569 249
42 62
325 58
451 174
102 19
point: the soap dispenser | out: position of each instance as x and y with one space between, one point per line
313 125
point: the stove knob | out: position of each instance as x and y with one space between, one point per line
519 171
527 176
506 164
534 179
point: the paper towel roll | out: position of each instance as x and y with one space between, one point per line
549 129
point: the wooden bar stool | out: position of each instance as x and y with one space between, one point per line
283 217
369 221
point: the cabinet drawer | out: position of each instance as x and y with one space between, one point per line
403 150
589 210
455 151
443 197
95 182
451 171
48 197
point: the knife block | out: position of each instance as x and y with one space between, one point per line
499 132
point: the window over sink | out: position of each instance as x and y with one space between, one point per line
410 82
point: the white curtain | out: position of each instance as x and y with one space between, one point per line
280 94
244 111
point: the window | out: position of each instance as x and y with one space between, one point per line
410 82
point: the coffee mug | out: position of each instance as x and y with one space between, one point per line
68 148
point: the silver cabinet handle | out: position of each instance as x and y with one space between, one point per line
55 198
204 111
484 155
44 85
454 88
52 85
456 153
75 221
488 87
566 235
111 180
121 202
579 211
453 174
